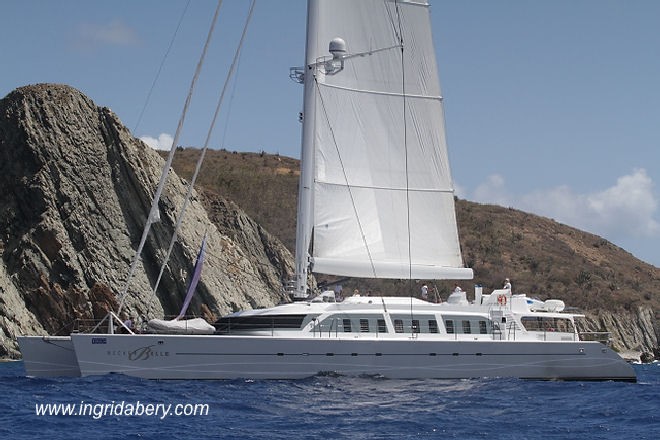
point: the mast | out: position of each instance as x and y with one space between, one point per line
305 193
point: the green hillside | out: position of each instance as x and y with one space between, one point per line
543 258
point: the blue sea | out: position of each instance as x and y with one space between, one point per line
327 407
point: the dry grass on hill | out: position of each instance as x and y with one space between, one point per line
542 257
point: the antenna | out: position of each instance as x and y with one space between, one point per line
337 48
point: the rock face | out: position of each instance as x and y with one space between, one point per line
634 334
77 192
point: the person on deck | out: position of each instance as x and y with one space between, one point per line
425 292
338 290
507 284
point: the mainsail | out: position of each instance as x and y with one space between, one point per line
379 199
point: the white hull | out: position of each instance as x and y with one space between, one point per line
256 357
48 356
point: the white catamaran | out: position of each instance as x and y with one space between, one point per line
376 201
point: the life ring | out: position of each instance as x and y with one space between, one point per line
501 299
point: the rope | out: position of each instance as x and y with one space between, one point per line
154 213
405 134
398 32
201 157
160 68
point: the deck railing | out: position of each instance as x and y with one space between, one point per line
80 325
602 337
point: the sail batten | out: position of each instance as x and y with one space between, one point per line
380 92
381 193
389 188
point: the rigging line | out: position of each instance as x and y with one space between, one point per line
405 134
398 29
160 68
348 186
231 101
397 34
154 214
202 154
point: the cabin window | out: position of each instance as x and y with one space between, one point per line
347 326
404 323
467 324
433 326
352 323
564 325
228 324
364 325
531 323
547 324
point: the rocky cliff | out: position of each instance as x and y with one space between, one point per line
634 334
77 188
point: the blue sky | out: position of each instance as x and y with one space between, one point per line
551 107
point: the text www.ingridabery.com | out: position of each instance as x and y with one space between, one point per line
122 409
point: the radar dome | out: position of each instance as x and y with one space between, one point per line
337 47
